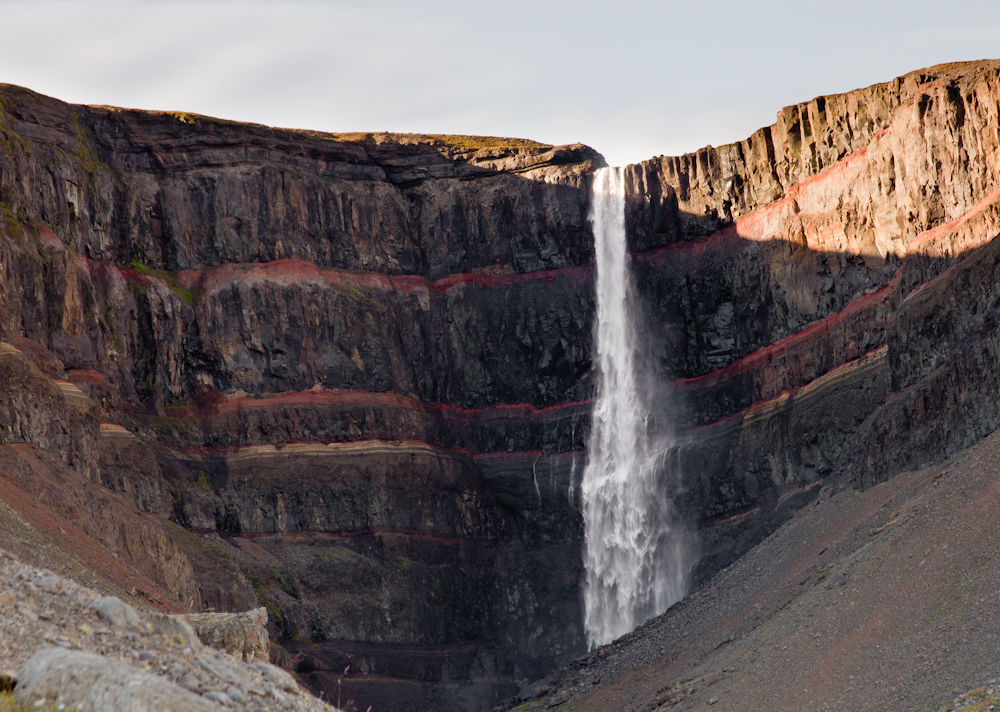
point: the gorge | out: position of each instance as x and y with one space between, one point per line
351 377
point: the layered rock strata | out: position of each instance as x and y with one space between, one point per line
295 345
353 371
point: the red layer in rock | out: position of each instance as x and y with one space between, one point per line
221 406
494 456
85 376
523 410
754 227
929 236
504 410
783 493
761 408
297 271
43 358
795 341
578 274
415 534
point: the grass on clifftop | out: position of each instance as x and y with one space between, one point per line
472 143
459 141
186 117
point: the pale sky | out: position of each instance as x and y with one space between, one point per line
632 78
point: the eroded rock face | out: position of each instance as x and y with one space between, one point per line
52 414
356 370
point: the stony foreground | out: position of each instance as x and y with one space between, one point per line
69 647
873 600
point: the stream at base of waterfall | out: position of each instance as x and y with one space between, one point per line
638 553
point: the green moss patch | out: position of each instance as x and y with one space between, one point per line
530 706
8 703
183 293
85 155
11 221
11 139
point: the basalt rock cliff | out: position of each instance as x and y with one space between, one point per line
348 377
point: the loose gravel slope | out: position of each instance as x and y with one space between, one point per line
866 600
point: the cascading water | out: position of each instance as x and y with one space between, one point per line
637 554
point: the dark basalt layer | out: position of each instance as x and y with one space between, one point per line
177 191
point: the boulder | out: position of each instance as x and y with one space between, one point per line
69 679
116 612
241 634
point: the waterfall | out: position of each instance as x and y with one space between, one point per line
637 555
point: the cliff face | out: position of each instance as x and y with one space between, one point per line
350 376
785 274
299 347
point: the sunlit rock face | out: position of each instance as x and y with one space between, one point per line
358 371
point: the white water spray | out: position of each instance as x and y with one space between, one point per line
637 553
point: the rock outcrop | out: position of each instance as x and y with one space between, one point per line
65 646
348 377
89 683
241 634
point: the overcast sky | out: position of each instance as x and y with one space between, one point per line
632 78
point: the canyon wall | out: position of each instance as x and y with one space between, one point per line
349 376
